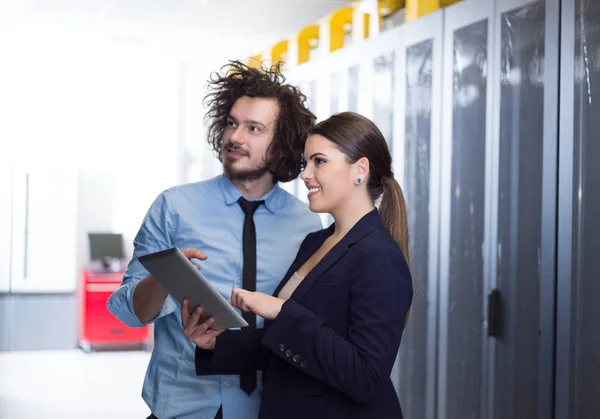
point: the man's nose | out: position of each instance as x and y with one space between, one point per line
237 136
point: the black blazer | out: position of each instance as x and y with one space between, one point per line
329 353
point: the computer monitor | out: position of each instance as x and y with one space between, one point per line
105 247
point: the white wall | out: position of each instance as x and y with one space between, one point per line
5 226
200 160
118 114
95 195
43 229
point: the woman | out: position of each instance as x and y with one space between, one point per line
333 327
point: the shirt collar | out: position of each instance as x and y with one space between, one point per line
273 199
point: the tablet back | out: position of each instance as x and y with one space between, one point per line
182 280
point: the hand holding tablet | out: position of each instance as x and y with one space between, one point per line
182 280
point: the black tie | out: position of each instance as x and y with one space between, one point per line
248 379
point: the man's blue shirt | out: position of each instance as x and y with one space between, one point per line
207 216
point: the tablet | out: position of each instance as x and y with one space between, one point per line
183 280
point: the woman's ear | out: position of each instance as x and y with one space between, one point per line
362 168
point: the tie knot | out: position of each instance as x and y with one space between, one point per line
249 207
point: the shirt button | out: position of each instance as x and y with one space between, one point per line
288 353
296 358
303 364
281 347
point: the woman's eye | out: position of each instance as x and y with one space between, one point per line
254 129
319 161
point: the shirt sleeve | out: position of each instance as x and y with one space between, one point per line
235 351
154 235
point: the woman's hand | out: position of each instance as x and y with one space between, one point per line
197 328
264 305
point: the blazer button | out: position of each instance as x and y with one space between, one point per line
296 358
281 347
303 364
288 353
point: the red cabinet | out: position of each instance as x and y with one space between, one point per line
98 328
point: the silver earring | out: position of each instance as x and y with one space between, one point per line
357 181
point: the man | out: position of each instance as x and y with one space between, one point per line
257 125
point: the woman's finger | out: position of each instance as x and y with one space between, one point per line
235 297
240 298
244 303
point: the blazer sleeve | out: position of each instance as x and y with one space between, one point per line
360 363
239 350
235 351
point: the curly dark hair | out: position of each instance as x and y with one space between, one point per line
293 121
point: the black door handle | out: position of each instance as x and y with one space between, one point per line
494 315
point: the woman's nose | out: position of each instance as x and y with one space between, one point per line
305 175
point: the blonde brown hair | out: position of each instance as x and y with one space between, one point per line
357 137
392 211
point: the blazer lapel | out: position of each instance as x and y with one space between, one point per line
366 225
310 249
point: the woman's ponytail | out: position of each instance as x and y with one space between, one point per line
392 211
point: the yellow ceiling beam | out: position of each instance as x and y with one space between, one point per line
339 22
419 8
387 7
255 61
279 52
306 39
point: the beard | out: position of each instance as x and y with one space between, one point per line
250 173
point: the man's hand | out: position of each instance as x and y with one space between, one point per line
149 295
197 328
191 253
264 305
